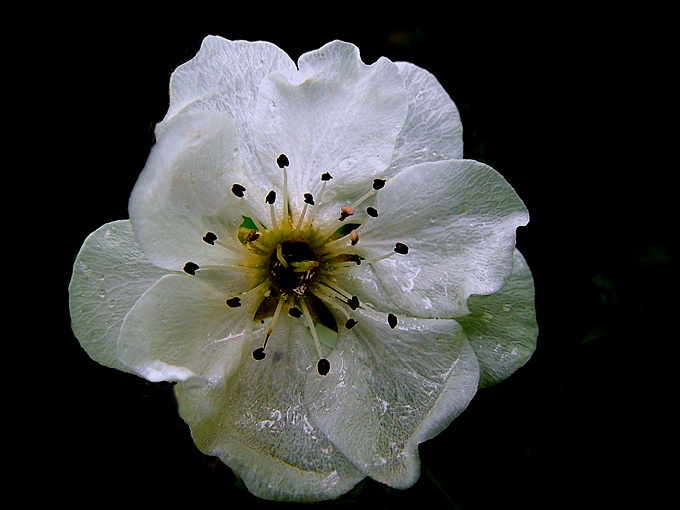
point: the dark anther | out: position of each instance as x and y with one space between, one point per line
234 302
295 312
190 268
259 354
273 292
372 212
350 323
392 320
238 190
401 248
282 161
326 176
210 238
309 199
355 258
378 184
271 197
323 366
353 302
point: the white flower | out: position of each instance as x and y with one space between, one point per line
311 260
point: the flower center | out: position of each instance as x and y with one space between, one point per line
303 263
293 267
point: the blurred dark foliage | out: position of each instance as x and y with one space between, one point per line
568 103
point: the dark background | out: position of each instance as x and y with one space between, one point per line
570 104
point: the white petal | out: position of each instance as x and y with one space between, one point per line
388 390
338 115
433 130
458 219
182 327
258 424
184 192
224 76
109 275
502 327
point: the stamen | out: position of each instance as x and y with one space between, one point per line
345 212
353 237
270 199
323 366
372 212
353 302
190 268
392 320
399 248
210 238
350 323
310 325
259 354
325 177
378 184
238 190
295 312
283 162
234 302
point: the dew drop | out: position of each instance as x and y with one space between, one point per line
506 307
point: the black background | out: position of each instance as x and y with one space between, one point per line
570 104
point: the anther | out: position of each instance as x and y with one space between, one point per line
190 268
350 323
353 302
210 238
326 176
372 212
271 197
282 161
353 237
295 312
378 184
401 248
234 302
259 354
323 366
238 190
309 199
392 320
345 212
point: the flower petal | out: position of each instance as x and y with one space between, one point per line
502 327
432 130
184 192
458 219
258 424
338 115
224 76
109 275
182 328
390 389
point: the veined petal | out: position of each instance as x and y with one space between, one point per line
224 76
432 130
502 327
184 192
182 327
337 115
258 423
390 389
109 275
458 219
